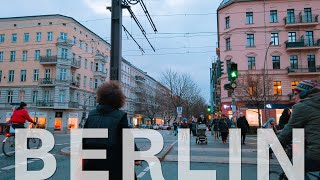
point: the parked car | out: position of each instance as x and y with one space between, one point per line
166 127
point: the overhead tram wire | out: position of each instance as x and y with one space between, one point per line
127 32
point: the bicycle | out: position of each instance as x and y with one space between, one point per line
8 144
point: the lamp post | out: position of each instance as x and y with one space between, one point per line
264 82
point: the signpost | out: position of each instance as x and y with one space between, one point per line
179 112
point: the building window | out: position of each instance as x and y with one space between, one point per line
73 58
95 83
0 75
64 53
63 74
92 50
86 63
23 75
14 38
47 74
249 17
63 35
273 16
84 81
22 95
1 56
307 15
251 63
79 79
228 44
294 62
90 83
91 66
2 38
290 16
277 88
49 36
74 40
46 96
292 36
36 75
311 63
62 96
253 89
250 40
24 55
11 76
49 52
37 55
38 36
10 97
80 44
294 84
26 37
275 39
79 61
12 56
276 62
86 47
309 38
227 22
34 96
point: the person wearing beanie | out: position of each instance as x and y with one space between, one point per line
306 114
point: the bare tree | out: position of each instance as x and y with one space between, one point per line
253 88
183 91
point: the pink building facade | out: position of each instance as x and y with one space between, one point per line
54 64
247 27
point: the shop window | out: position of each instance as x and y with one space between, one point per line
294 84
73 123
57 124
277 88
42 123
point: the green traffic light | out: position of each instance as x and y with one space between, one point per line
234 74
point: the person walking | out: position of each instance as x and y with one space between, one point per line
215 127
202 119
224 125
243 124
108 115
284 118
175 128
194 126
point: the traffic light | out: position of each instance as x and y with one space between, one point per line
209 109
219 68
233 73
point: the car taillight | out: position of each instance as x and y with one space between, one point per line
7 134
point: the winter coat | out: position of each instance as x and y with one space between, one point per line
202 121
243 124
283 121
224 125
20 116
215 124
105 116
306 114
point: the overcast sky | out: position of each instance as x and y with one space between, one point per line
185 42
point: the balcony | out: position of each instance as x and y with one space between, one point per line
303 70
100 74
73 105
138 90
303 45
139 79
45 104
48 60
46 82
301 21
74 84
100 57
64 42
75 64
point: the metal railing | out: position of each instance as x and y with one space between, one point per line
303 43
73 104
74 84
301 19
303 69
48 59
48 103
64 41
46 81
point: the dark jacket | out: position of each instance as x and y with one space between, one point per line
202 121
305 114
284 119
224 125
243 124
104 116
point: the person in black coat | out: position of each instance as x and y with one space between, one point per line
284 118
243 124
224 125
108 115
202 119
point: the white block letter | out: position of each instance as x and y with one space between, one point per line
77 154
293 170
22 154
184 172
130 155
235 154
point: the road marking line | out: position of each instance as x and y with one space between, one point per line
141 174
8 167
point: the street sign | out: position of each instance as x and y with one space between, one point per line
179 109
234 85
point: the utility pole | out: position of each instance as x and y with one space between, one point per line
116 40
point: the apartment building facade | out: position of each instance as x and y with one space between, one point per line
283 34
54 64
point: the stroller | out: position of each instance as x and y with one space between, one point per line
201 134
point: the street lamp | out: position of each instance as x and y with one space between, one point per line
264 83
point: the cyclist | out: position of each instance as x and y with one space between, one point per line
20 115
306 114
